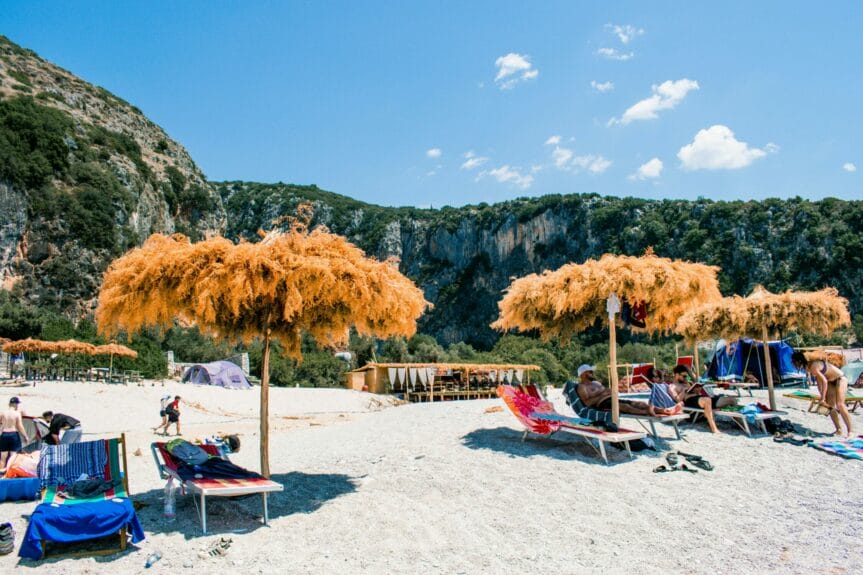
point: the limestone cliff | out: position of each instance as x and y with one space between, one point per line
83 176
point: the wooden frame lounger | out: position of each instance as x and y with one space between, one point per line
52 498
539 416
737 417
204 488
852 400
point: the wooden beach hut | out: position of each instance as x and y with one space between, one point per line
438 381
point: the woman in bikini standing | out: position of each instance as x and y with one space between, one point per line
832 384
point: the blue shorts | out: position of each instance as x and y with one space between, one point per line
10 441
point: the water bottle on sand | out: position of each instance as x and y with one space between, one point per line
152 558
170 500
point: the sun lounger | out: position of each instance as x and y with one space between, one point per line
204 487
540 417
852 399
737 386
649 422
737 417
591 414
64 519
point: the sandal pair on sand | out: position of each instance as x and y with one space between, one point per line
674 464
792 440
218 549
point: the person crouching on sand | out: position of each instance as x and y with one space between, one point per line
173 412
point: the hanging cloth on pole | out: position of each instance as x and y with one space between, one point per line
519 374
392 373
424 376
403 376
412 372
430 373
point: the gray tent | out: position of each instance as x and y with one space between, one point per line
36 429
220 373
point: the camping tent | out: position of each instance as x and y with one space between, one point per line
221 373
36 429
732 361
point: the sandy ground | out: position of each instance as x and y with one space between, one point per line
451 488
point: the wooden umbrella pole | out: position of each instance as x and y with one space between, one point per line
265 406
612 369
695 360
769 369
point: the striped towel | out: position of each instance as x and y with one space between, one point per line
63 464
659 396
570 393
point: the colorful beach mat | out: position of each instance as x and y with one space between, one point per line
848 448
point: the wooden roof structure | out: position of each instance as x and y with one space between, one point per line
453 366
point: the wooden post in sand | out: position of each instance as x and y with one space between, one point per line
613 306
695 360
265 406
768 368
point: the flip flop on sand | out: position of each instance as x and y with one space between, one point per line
687 469
702 464
697 461
662 469
672 459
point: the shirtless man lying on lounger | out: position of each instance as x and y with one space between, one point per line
593 394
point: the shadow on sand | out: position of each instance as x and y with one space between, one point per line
563 447
303 493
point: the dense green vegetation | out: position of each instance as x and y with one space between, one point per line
82 184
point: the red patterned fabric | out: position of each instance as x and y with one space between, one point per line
523 405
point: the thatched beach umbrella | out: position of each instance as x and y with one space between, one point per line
113 349
576 296
763 314
288 283
69 346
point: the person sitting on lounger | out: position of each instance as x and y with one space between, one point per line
595 395
832 384
686 389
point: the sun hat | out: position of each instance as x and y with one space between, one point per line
585 367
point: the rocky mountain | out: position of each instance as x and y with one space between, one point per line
464 257
84 176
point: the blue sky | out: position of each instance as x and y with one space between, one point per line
451 103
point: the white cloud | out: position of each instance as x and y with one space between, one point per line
561 157
512 69
472 160
716 148
665 97
433 153
625 33
593 164
614 54
849 167
602 87
566 160
508 175
649 170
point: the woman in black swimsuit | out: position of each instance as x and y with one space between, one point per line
832 384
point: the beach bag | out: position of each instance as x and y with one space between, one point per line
190 454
